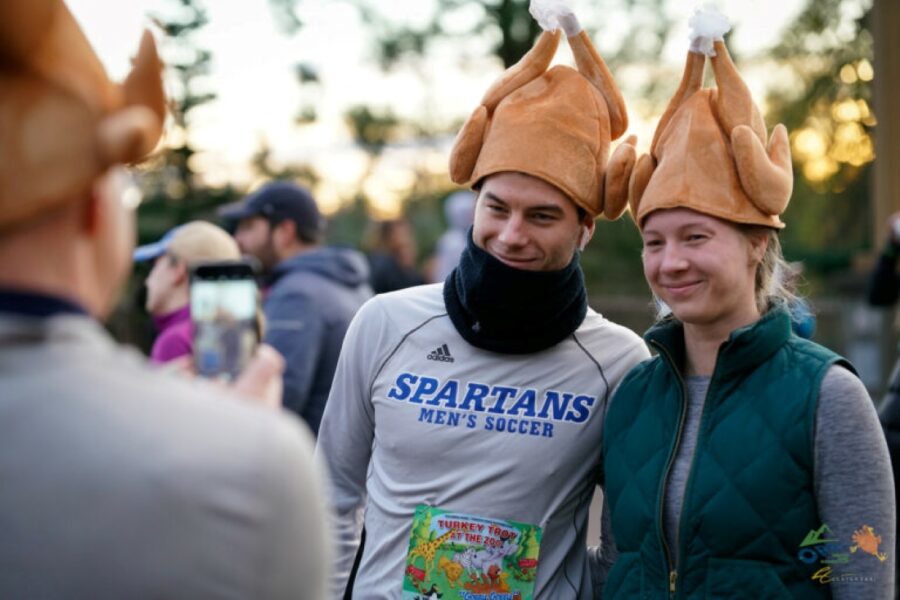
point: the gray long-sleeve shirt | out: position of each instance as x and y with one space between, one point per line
853 482
419 416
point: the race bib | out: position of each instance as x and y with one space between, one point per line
456 556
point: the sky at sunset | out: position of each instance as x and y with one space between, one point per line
258 95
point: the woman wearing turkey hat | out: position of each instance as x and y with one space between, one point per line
742 461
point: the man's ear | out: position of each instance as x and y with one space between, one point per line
284 234
182 272
588 226
92 212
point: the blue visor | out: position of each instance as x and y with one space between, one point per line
156 249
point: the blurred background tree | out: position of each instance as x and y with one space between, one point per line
173 190
818 81
826 102
173 187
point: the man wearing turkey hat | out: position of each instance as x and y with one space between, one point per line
118 481
476 403
742 461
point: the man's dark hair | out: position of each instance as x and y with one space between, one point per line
302 233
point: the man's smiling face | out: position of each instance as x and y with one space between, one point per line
527 223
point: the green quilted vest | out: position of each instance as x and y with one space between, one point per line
749 500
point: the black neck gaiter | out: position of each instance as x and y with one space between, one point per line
512 311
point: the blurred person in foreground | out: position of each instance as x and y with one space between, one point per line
119 481
169 282
742 461
311 290
478 402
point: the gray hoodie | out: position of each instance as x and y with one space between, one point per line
310 301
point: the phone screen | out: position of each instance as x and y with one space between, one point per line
224 300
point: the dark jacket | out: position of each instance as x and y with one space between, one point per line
311 299
884 285
750 500
388 275
883 290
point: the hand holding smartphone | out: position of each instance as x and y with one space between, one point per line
224 306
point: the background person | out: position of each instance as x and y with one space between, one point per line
311 290
459 210
883 290
119 481
735 458
392 252
168 284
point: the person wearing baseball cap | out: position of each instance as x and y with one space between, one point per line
168 284
312 290
271 205
119 480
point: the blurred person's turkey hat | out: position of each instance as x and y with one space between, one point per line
278 201
555 125
709 152
64 123
194 242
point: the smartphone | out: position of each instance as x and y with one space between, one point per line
224 308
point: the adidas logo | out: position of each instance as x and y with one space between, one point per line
441 353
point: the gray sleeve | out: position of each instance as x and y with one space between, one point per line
601 558
347 434
854 487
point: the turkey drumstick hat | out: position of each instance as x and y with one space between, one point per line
62 121
553 124
709 152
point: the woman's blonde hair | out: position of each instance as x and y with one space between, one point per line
776 279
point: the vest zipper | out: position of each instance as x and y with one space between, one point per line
670 568
673 573
687 484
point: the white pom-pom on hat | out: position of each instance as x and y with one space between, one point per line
707 26
555 14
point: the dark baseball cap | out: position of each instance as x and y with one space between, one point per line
278 201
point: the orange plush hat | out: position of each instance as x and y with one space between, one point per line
709 151
62 122
555 125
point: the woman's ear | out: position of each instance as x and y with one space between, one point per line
759 243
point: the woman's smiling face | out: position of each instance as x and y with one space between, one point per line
702 267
